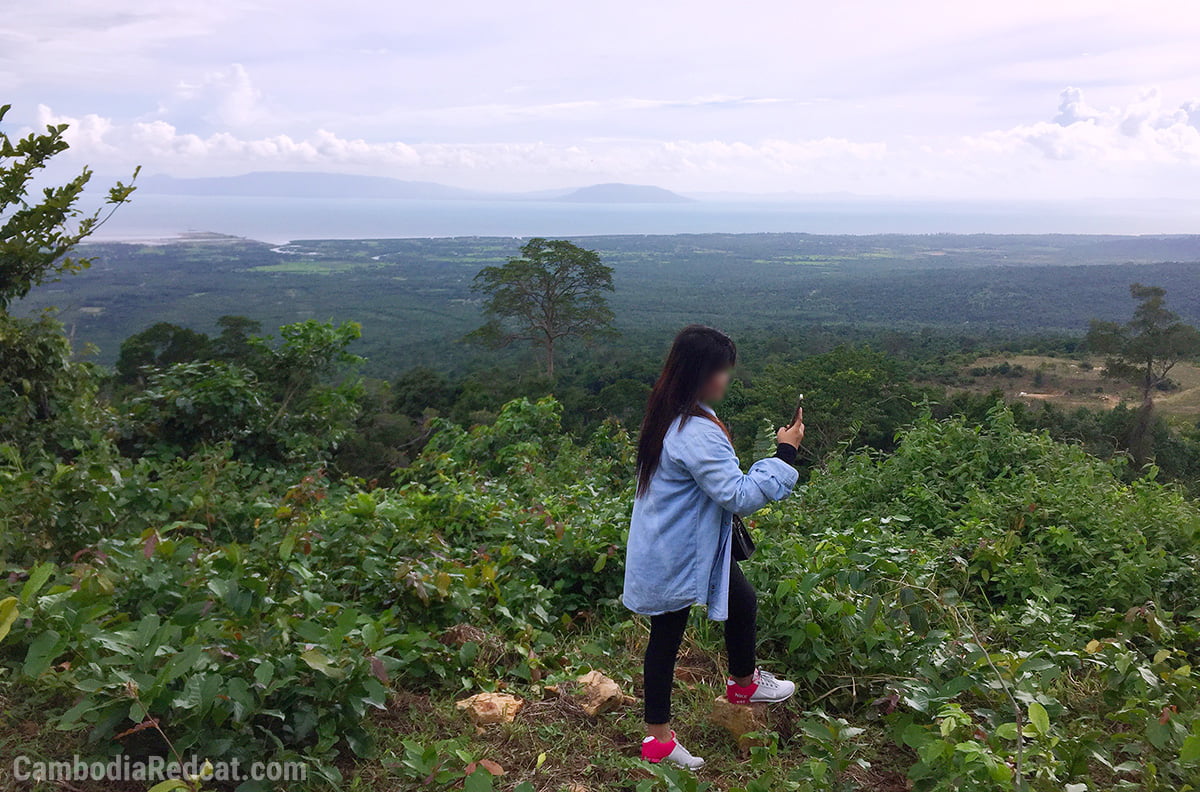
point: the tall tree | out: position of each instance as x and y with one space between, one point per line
1143 352
38 230
160 345
36 236
234 341
555 290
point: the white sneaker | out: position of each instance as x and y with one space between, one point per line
765 689
654 752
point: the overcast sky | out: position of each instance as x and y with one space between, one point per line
1043 99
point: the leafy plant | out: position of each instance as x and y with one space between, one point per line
37 237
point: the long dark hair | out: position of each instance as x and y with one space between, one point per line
697 354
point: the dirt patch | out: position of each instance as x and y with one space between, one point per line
696 667
879 780
887 770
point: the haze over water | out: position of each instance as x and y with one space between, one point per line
274 219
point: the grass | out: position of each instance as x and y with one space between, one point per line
552 743
1071 383
24 731
602 754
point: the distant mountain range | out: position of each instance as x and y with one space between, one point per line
294 184
623 193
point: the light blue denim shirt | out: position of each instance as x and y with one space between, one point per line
679 549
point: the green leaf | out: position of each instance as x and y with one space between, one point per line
918 619
240 696
8 615
42 652
70 719
264 673
181 663
1190 751
479 781
170 784
37 579
376 693
1007 731
191 696
317 661
1159 734
1039 718
915 736
871 612
210 690
1000 772
361 504
285 547
600 562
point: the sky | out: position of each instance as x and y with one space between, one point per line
1045 100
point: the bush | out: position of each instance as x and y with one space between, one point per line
1014 512
254 624
984 594
994 594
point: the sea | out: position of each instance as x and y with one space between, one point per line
278 220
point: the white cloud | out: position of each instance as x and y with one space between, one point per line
223 97
1145 130
915 98
1143 148
89 133
160 145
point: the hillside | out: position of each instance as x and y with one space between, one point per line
1071 383
623 193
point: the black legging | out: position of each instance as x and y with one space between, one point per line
666 633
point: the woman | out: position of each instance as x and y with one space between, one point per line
679 554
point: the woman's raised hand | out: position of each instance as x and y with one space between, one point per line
793 433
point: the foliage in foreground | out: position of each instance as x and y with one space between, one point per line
1002 607
277 641
1003 604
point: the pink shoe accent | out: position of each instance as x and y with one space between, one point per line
739 694
654 751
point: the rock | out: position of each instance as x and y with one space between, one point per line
600 694
741 720
595 693
485 709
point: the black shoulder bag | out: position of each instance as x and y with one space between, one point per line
743 544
